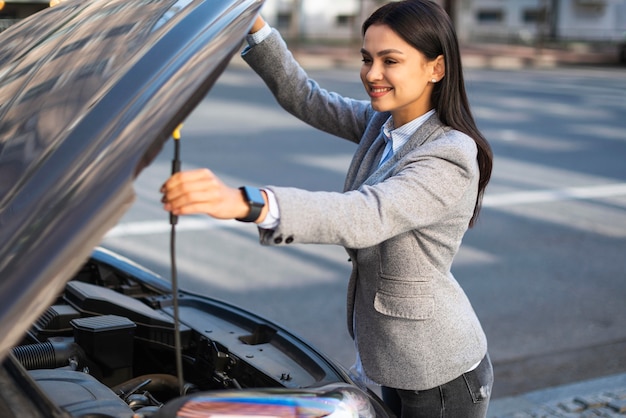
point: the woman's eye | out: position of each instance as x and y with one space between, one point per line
366 60
390 62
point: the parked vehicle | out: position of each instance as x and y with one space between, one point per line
89 93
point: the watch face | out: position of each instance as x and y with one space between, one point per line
254 196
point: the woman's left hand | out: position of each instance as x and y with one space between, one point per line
202 192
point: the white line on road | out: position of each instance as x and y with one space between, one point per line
568 193
498 200
162 227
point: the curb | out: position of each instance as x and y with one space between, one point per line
602 397
474 56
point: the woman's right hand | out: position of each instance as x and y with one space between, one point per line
258 24
202 192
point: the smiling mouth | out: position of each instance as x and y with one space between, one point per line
379 91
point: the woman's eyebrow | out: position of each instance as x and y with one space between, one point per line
383 52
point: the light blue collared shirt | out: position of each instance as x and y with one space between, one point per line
395 138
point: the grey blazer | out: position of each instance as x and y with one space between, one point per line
401 224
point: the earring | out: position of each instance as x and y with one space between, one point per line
434 80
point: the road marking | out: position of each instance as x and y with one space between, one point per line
195 223
161 227
568 193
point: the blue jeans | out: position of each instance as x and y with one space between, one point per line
465 397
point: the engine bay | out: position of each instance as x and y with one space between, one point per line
106 346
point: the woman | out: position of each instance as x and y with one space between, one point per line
413 188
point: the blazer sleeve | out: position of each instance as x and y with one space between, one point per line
432 187
303 97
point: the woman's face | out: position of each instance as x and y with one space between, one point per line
396 76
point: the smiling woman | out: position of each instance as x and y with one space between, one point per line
397 77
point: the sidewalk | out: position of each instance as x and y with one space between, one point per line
494 56
603 397
503 56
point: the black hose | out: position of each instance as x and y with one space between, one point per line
153 383
48 355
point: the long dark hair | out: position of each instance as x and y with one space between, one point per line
427 27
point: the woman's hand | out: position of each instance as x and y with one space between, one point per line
258 24
201 191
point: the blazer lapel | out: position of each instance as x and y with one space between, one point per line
364 166
367 154
423 134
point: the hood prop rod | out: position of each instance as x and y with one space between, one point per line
173 222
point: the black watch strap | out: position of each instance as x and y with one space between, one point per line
255 200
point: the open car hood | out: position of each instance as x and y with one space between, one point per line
89 92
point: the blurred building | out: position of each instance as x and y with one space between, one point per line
532 20
13 10
523 21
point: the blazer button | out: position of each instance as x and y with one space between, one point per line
289 240
278 240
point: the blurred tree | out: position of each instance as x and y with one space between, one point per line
366 7
546 23
295 29
450 7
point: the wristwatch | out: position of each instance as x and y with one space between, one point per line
255 200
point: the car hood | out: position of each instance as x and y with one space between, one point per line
89 93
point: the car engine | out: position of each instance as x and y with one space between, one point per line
106 346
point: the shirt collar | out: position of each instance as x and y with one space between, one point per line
399 136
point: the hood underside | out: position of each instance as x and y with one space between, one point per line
89 93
